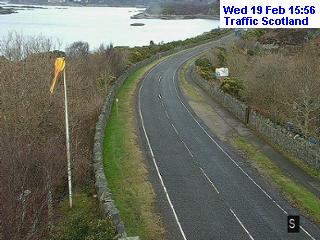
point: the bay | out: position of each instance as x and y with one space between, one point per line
97 25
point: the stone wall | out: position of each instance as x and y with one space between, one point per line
273 133
107 206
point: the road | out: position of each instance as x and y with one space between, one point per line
205 191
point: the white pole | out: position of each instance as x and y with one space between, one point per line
117 100
67 137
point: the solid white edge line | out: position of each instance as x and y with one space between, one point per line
241 224
307 233
206 176
244 172
155 163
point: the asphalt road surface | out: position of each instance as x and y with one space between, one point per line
205 190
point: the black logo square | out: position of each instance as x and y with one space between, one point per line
293 224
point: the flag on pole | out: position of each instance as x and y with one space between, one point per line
59 66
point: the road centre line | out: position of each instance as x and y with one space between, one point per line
185 145
174 128
206 176
166 113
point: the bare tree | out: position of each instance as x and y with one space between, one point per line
78 50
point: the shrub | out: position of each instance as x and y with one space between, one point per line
222 57
232 85
203 62
82 222
205 68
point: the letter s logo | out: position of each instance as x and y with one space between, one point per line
293 224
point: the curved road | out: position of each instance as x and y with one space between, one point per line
205 190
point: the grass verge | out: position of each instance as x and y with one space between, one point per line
124 165
186 86
298 195
83 221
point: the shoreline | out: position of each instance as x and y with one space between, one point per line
144 15
7 11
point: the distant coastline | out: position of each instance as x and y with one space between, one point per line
4 11
176 11
145 15
10 9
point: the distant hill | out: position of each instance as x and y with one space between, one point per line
180 10
285 37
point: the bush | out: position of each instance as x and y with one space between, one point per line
232 85
205 68
222 57
203 62
82 228
253 33
81 222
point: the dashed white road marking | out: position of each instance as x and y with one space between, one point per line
206 176
174 128
156 166
159 96
241 224
185 145
238 166
176 131
165 111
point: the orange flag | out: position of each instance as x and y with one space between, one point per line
59 66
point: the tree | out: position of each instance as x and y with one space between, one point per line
78 49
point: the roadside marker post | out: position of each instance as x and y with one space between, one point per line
117 101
